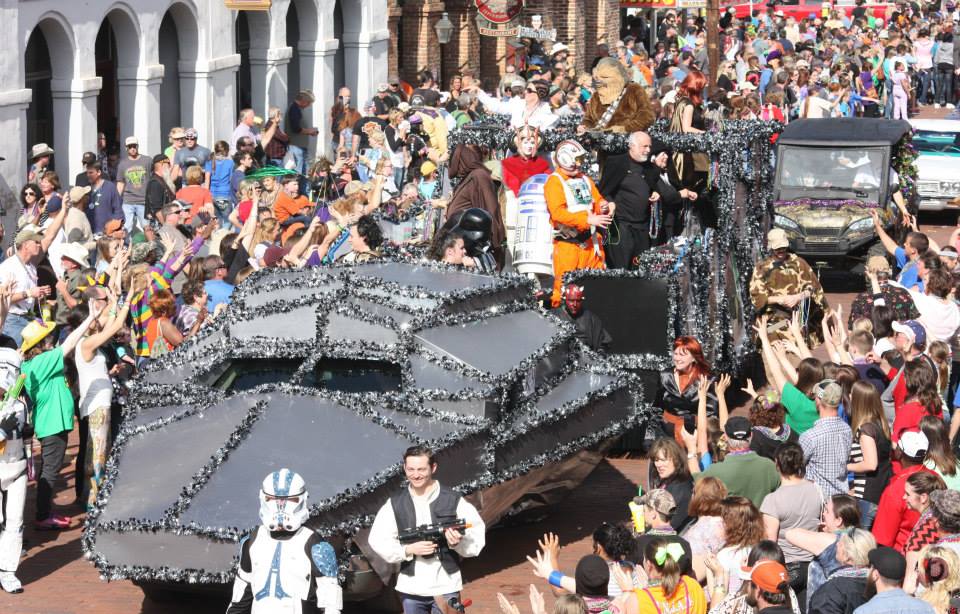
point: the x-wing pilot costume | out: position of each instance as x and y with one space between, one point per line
285 568
13 473
570 197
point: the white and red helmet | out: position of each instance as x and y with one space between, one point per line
570 155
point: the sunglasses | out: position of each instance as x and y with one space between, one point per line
531 91
132 146
30 193
191 138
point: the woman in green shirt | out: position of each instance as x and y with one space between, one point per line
46 385
795 384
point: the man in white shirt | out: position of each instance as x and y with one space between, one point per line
429 575
30 246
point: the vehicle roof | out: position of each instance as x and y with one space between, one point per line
849 131
936 125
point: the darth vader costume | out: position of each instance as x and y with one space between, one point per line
476 226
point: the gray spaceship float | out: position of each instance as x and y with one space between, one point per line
334 372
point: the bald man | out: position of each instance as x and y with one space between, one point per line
635 196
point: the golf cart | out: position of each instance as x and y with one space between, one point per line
831 173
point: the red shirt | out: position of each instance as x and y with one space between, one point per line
197 196
908 418
895 521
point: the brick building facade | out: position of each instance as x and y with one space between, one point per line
580 24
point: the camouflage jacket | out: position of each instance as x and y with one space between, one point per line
774 278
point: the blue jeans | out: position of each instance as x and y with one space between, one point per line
14 325
868 511
131 211
300 165
944 93
415 604
223 207
926 85
888 101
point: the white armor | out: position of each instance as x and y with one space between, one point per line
285 571
13 469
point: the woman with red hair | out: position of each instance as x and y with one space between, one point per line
677 395
692 167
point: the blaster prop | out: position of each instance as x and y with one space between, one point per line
432 532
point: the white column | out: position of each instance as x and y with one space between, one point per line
365 62
75 121
13 127
139 92
268 76
207 96
316 74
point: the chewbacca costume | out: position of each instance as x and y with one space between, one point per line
634 112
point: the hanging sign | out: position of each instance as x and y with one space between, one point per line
499 11
486 28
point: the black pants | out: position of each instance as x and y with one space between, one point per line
79 480
48 464
797 571
634 239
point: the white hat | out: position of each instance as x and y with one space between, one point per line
39 150
558 47
914 444
75 252
747 86
131 140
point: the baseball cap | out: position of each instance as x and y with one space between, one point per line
131 140
878 264
829 391
912 329
427 167
190 133
888 562
383 87
738 428
769 576
27 234
660 500
914 444
112 226
78 192
160 158
777 238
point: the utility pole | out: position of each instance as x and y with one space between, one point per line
713 39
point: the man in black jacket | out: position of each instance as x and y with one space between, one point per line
635 195
158 192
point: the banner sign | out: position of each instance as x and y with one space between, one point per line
648 4
486 28
499 11
247 5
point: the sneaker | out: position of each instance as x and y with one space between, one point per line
950 105
936 105
10 583
52 523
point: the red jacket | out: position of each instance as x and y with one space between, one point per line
895 520
908 419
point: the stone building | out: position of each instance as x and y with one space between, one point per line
139 67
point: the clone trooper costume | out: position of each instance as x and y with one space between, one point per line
285 568
13 473
571 197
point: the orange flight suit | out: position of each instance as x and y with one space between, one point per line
569 256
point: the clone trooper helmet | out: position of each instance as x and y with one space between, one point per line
283 501
9 367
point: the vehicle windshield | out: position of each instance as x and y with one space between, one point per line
936 142
841 169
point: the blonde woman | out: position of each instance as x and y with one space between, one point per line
940 575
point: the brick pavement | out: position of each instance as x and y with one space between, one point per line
58 580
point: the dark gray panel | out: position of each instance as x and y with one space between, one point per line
166 549
344 328
421 426
494 345
290 292
428 375
158 464
398 316
574 386
170 375
427 278
332 447
299 323
547 437
471 408
146 416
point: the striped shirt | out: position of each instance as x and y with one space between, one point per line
160 277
